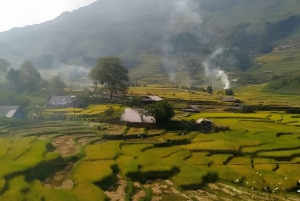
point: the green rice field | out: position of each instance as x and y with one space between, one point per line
73 161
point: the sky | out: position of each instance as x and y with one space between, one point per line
19 13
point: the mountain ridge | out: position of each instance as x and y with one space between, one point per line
114 27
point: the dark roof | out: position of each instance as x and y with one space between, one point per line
62 100
192 108
228 99
8 111
234 109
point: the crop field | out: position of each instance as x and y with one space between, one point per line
75 161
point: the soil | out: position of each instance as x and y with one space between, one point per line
117 192
61 179
66 145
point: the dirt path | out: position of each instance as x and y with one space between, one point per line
117 192
66 145
61 179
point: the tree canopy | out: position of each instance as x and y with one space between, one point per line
111 72
57 85
162 111
26 78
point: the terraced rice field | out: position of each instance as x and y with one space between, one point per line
258 158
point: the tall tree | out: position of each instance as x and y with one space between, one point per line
57 85
13 77
3 65
111 72
29 77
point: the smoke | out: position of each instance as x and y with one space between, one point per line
184 17
72 72
214 72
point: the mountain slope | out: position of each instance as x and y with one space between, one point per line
134 27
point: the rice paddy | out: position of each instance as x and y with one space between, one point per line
259 152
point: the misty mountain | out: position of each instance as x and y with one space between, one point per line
131 28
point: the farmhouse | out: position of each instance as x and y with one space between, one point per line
145 100
206 123
62 101
191 108
133 116
11 112
234 109
227 99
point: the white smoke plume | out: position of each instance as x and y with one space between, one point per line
212 71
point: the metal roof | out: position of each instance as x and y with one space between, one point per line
61 100
8 111
132 115
199 121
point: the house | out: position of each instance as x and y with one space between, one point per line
145 100
234 109
206 124
11 112
191 108
133 116
62 101
227 99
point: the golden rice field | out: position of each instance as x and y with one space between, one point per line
260 152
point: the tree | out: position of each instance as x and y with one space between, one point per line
57 85
209 89
162 111
229 92
29 77
13 77
3 65
111 72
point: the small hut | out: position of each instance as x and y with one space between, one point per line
206 124
191 108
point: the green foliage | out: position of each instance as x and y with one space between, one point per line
29 77
134 101
129 190
57 86
11 99
247 109
111 72
229 92
162 111
109 111
209 89
25 79
86 99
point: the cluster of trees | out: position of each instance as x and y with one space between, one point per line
28 89
162 111
209 89
28 79
229 92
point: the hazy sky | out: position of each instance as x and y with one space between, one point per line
19 13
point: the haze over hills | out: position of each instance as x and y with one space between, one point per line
148 35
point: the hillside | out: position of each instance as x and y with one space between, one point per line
157 37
